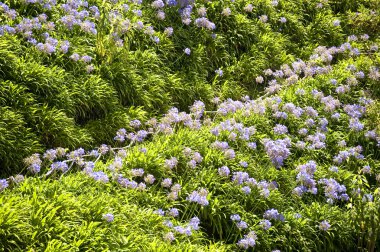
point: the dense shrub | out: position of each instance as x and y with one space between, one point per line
146 66
295 169
276 147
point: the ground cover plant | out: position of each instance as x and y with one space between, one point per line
277 146
74 72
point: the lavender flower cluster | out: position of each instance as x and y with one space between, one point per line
187 229
248 241
333 190
194 158
240 224
199 196
139 136
305 177
273 214
242 178
277 150
346 154
234 130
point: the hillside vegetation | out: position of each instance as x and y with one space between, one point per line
248 126
73 73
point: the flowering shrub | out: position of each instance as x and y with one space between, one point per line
213 169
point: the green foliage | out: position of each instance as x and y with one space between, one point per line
51 100
56 129
65 212
56 219
16 140
156 77
103 130
93 98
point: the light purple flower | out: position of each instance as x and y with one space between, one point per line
187 51
224 171
3 184
108 217
324 225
